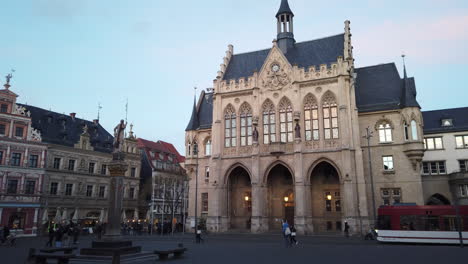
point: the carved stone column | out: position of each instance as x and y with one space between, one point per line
117 170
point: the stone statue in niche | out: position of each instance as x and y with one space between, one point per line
255 134
297 130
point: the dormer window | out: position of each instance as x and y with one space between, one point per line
447 122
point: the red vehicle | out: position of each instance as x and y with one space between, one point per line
422 224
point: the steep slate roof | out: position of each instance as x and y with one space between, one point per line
380 88
433 120
203 113
284 8
303 54
63 130
162 147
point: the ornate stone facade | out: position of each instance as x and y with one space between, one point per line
22 162
308 163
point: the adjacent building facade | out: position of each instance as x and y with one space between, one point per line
445 163
164 185
22 166
281 137
76 186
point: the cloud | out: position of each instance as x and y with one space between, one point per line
435 40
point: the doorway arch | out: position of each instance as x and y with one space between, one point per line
281 198
438 199
239 199
326 198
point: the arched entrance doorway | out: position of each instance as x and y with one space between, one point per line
326 198
438 199
280 197
239 199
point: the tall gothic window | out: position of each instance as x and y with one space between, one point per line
311 118
269 122
330 116
414 130
208 147
286 120
245 125
230 127
385 132
405 128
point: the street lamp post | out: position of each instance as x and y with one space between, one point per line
195 152
368 136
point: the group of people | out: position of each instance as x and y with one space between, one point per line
289 233
60 233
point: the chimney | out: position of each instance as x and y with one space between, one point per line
96 121
73 115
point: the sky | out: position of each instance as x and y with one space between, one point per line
71 55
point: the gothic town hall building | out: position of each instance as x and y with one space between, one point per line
282 137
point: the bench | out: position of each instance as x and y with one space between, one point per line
164 254
66 250
42 258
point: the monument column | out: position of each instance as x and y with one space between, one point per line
117 169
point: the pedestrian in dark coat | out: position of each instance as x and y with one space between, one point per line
293 236
58 236
51 235
346 229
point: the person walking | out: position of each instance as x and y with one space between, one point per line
58 236
76 233
346 229
293 236
198 236
51 231
99 231
6 233
286 233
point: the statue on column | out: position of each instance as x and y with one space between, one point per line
119 136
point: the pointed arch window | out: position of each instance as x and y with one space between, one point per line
245 125
286 121
330 116
269 122
311 122
230 126
208 147
385 132
405 128
414 130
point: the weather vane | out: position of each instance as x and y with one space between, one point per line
99 111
